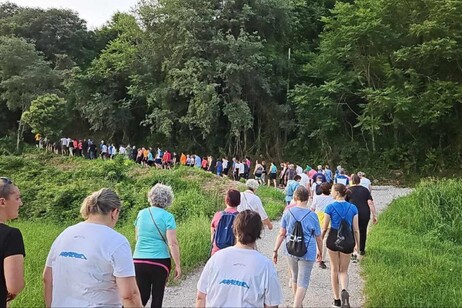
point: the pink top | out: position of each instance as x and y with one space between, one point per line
216 218
311 173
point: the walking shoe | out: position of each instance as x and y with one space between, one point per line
345 299
322 265
362 253
337 303
354 258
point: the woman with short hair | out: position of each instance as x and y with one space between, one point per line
300 267
155 230
90 264
240 276
232 200
11 243
340 258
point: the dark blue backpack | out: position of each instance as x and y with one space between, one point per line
224 236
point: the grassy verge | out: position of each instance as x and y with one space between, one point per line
53 188
414 252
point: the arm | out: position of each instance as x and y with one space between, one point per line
128 291
175 250
371 204
325 225
212 233
356 231
268 223
136 234
13 267
319 243
48 285
200 299
277 244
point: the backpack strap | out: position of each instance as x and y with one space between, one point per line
296 218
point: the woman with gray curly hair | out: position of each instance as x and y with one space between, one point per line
155 230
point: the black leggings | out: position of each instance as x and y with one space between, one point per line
151 277
363 222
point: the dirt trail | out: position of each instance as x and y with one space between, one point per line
319 292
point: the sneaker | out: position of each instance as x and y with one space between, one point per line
336 303
354 258
362 253
345 299
322 265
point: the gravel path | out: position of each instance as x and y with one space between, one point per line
319 292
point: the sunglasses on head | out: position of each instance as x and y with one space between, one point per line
6 180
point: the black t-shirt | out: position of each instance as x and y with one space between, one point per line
11 243
359 195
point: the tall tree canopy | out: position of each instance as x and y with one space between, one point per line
365 82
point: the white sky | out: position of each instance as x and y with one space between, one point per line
95 12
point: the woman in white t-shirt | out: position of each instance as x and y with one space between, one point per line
90 264
240 276
250 201
318 206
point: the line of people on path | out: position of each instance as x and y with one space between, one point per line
99 261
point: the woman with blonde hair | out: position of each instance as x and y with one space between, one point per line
155 230
11 243
90 264
340 256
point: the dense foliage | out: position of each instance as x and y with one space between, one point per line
366 82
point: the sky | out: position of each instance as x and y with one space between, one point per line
95 12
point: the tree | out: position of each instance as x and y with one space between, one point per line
24 75
46 114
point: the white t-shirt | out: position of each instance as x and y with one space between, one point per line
238 277
250 201
305 180
365 182
122 150
64 141
320 202
241 168
104 148
86 259
225 163
299 170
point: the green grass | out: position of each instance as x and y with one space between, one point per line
53 188
413 254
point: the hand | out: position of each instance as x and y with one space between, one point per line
374 220
275 257
177 272
319 257
270 226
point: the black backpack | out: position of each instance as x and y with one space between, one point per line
296 243
345 239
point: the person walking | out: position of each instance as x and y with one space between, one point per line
90 264
155 230
11 244
232 201
361 197
318 206
273 175
240 276
250 201
300 267
340 258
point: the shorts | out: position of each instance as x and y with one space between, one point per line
300 270
272 176
330 242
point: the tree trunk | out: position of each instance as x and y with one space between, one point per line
20 133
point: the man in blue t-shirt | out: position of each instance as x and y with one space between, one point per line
341 178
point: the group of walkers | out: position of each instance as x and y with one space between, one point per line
104 272
311 228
